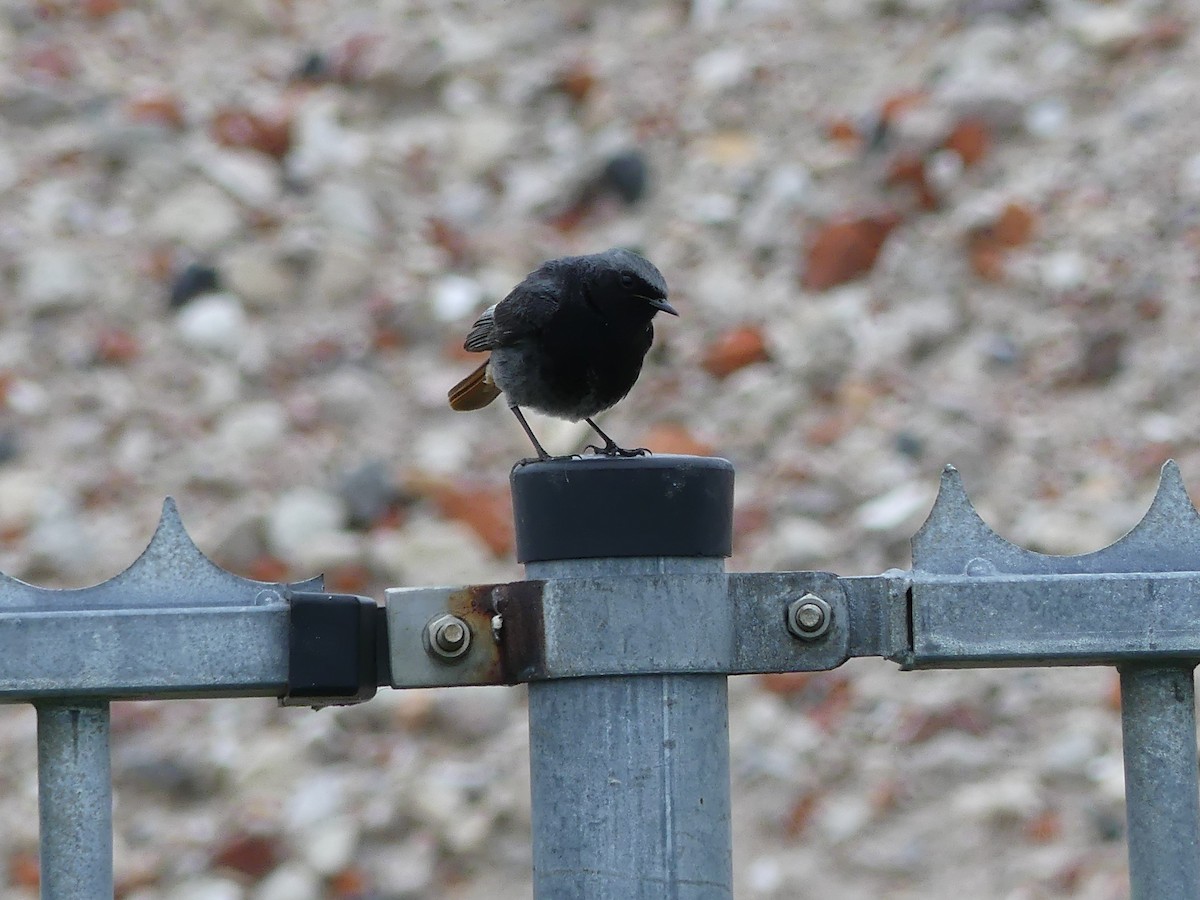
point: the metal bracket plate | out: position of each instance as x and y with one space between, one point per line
627 625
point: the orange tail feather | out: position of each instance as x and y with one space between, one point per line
475 391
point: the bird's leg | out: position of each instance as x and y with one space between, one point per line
610 447
542 455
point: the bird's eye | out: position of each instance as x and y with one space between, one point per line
626 280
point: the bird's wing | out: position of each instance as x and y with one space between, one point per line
479 338
521 314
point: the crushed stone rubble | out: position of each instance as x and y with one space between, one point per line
240 243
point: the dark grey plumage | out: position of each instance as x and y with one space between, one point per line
569 340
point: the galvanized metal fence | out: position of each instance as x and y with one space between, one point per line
626 631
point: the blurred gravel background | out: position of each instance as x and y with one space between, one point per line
241 241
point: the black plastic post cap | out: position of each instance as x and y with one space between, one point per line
606 507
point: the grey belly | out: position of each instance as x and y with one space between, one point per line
526 385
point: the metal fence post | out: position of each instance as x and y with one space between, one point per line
630 774
75 800
1162 795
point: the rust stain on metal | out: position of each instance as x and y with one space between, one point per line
473 605
517 657
523 636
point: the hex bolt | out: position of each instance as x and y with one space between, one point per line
809 617
447 637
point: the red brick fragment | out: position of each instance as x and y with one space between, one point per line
23 869
970 139
156 108
116 346
485 509
909 169
845 249
251 854
735 350
234 126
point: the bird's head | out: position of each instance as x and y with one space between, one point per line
631 281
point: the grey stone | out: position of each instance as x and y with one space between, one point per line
245 175
55 277
349 211
257 277
199 216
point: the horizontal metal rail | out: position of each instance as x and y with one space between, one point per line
232 651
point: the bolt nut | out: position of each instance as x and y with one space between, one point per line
447 637
809 617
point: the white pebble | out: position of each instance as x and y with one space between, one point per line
796 542
1047 118
430 551
329 846
765 875
1108 773
320 143
454 296
944 170
1011 797
481 140
467 833
10 173
27 397
214 322
712 209
289 882
721 69
209 889
1107 28
1160 427
1070 754
1065 270
843 817
442 450
302 518
22 497
1189 177
895 508
252 427
407 870
316 799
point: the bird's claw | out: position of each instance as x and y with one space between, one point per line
617 452
531 460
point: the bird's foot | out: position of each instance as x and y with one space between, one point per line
611 449
531 460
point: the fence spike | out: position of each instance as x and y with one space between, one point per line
171 561
171 540
1172 507
172 557
1168 536
955 540
954 536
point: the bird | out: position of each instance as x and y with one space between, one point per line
567 341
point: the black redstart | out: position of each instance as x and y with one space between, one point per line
568 341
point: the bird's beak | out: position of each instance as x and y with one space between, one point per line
661 304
